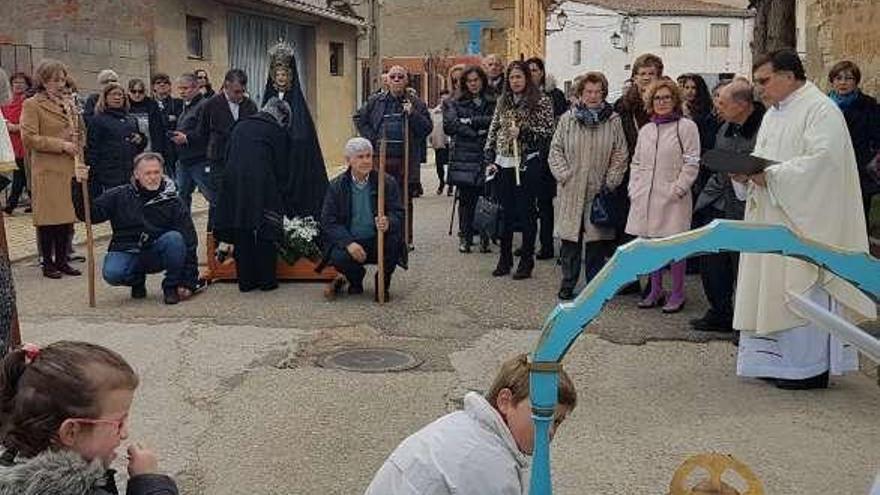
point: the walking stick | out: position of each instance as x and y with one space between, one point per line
380 208
14 330
90 238
406 205
452 217
87 203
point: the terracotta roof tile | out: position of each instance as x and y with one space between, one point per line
669 7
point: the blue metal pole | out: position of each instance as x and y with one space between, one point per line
543 393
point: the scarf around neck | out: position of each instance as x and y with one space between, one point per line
844 101
665 119
592 116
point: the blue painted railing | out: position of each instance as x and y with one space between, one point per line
568 320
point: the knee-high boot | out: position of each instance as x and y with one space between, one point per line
676 298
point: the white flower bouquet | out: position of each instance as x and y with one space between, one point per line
299 239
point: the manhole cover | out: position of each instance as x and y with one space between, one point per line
370 360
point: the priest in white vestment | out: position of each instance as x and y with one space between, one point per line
814 191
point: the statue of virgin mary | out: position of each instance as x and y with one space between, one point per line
306 180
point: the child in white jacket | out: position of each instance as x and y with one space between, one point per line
481 450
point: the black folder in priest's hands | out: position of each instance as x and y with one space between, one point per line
734 163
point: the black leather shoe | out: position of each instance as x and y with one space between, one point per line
523 270
171 296
712 323
566 294
51 272
812 383
484 245
545 254
69 270
138 291
501 270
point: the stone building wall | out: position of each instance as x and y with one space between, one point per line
843 29
418 27
87 35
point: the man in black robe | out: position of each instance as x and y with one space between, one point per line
306 178
250 207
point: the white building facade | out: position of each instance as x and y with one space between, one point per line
690 36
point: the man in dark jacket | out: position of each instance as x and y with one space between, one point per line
351 223
193 167
216 117
152 231
250 205
388 112
170 109
494 67
742 119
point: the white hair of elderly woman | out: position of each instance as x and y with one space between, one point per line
357 145
278 108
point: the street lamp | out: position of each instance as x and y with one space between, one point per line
561 19
616 42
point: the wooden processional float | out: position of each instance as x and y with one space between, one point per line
568 320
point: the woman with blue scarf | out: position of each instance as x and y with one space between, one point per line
863 120
588 153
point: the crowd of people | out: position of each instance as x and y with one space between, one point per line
516 151
619 170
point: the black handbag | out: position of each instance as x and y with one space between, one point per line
464 175
603 211
487 217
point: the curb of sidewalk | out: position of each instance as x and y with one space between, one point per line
100 237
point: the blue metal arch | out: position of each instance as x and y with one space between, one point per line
568 320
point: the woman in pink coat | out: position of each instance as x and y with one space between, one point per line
664 165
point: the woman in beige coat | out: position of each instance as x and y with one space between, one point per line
665 164
588 153
47 129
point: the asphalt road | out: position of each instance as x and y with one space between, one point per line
234 400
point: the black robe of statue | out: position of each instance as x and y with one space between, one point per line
306 181
256 172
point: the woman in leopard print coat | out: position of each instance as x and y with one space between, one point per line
519 137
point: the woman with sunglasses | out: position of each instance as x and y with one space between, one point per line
149 118
205 87
113 140
519 136
863 120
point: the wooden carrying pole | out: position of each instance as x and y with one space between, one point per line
406 229
15 330
90 239
380 211
87 203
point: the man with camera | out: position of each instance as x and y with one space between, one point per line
152 231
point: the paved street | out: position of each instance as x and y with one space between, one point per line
233 398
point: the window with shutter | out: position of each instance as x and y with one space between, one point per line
670 34
719 35
195 37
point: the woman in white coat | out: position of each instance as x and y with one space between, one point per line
481 450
